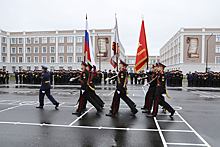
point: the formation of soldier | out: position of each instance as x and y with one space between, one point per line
201 79
174 78
58 77
4 76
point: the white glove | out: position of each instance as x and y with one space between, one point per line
139 78
43 91
147 84
164 95
71 79
147 70
106 79
83 91
118 92
110 81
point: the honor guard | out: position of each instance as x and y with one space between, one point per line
121 91
149 97
45 89
161 89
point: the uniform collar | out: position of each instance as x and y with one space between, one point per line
84 69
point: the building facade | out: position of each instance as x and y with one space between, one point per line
187 50
55 49
130 59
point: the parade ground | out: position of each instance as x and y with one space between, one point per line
195 123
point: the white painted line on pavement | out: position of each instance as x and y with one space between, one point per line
10 108
197 134
169 121
81 116
111 92
160 132
188 144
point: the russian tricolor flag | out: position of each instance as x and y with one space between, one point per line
88 45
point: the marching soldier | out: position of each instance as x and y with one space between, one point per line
1 76
109 75
20 76
121 91
142 76
45 89
161 89
181 78
7 77
4 76
16 76
131 76
84 91
113 74
168 78
151 90
135 77
51 77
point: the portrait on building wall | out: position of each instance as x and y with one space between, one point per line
193 44
102 47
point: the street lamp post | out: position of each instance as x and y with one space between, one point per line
99 52
207 52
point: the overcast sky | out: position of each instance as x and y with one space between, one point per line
163 18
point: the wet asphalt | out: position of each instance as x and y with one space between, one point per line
195 123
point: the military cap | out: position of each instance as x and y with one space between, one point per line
160 64
44 67
83 63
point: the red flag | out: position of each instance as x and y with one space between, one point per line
142 57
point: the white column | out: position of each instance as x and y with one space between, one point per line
74 49
0 48
8 50
203 48
181 48
24 51
57 48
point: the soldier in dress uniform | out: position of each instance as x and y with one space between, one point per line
174 79
114 74
121 91
159 94
135 77
4 76
215 80
151 90
131 76
7 77
109 76
218 80
177 83
51 77
67 76
142 76
210 78
181 78
16 76
31 76
45 89
84 91
199 77
168 77
195 79
100 77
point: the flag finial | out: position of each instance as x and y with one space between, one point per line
115 14
142 17
86 15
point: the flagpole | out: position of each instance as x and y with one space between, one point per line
117 51
145 33
84 47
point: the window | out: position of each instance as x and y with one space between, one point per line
79 39
4 49
13 68
52 59
28 59
217 38
44 39
36 68
28 50
131 61
13 41
217 59
61 49
61 59
217 49
28 40
52 49
79 49
61 39
3 40
19 59
36 40
13 59
70 39
79 59
69 49
20 50
36 59
3 59
52 68
69 68
4 67
28 68
61 68
44 49
19 40
44 59
70 59
36 49
20 67
52 39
